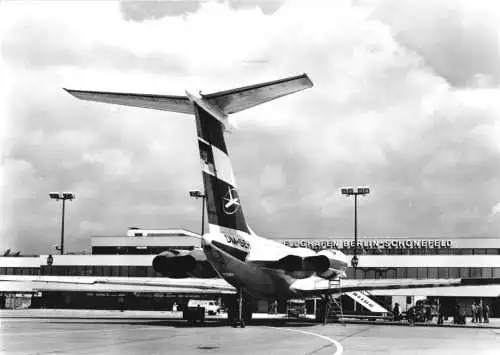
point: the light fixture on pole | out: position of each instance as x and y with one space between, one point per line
62 196
349 191
197 194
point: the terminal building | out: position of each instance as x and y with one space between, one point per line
130 256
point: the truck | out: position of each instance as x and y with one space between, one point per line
211 307
296 308
196 310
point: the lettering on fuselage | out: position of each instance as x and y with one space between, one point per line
237 240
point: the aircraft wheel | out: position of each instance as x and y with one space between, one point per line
320 312
247 315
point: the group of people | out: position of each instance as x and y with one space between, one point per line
425 313
420 313
480 312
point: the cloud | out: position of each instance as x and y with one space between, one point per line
458 39
381 114
272 178
153 10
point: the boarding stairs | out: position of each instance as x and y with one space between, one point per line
366 300
333 307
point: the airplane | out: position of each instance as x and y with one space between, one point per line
255 266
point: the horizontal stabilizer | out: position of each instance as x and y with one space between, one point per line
220 104
235 100
180 104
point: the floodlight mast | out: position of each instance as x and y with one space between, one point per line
360 191
197 194
62 196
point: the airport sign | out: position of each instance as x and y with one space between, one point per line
371 244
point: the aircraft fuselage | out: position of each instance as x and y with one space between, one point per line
232 254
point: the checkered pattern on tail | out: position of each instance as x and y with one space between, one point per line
223 201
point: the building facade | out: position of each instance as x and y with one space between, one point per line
391 258
131 256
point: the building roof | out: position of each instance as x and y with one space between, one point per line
463 291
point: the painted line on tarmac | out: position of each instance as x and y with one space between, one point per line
338 346
358 332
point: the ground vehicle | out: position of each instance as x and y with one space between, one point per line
193 314
423 311
296 308
210 307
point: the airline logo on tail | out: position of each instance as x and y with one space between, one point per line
231 201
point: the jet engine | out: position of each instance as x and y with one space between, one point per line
304 263
294 266
183 264
327 264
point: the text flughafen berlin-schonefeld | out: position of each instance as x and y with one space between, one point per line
371 244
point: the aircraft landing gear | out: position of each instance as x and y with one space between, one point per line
240 309
328 308
239 319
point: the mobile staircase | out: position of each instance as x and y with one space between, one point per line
333 307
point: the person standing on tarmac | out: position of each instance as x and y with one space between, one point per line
479 312
474 312
486 313
396 312
411 316
441 314
121 302
428 314
456 315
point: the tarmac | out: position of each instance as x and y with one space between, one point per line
35 331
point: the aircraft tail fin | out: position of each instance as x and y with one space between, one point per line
223 202
211 111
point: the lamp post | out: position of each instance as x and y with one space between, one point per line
62 196
349 191
197 194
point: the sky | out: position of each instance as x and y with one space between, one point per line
405 101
